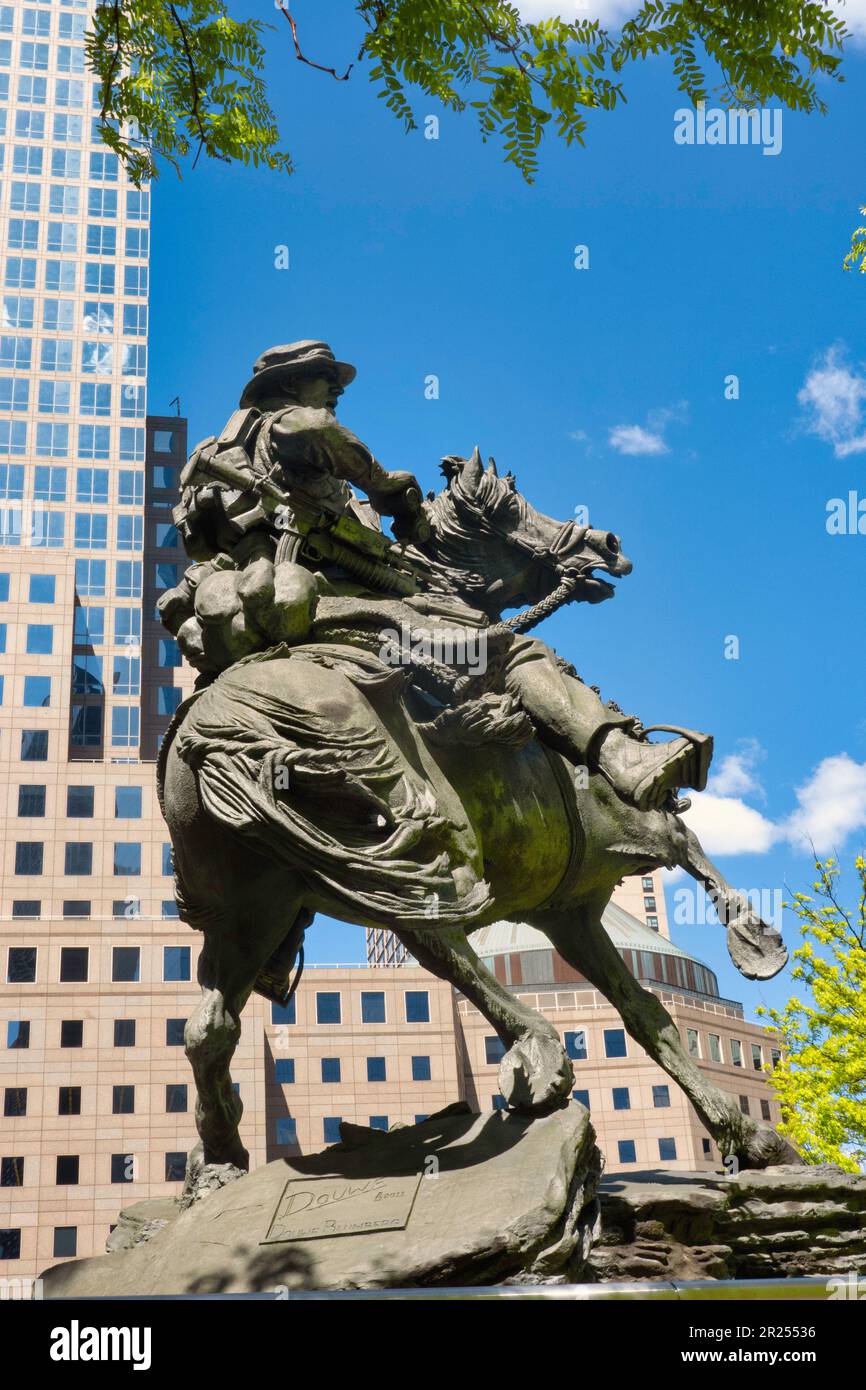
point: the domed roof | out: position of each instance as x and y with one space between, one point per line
624 930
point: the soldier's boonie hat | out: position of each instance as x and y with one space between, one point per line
279 365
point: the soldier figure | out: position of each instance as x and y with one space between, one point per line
284 456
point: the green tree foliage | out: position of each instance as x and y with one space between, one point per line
858 248
182 77
187 75
821 1080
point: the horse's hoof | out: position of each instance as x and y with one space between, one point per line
535 1073
761 1146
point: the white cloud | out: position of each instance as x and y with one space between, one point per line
726 825
833 397
610 12
832 804
735 775
634 439
613 12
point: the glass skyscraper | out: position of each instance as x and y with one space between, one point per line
88 678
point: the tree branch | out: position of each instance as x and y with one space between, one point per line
332 72
115 62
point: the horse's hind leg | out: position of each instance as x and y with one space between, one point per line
240 936
535 1072
580 937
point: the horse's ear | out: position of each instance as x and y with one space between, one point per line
450 465
511 481
491 467
472 471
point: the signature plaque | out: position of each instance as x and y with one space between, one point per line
312 1208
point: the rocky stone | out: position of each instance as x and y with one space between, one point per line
141 1221
784 1221
473 1199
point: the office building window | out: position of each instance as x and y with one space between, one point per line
11 1172
29 856
40 639
621 1098
582 1097
127 859
76 908
10 1243
31 800
417 1006
41 588
123 1100
372 1006
420 1068
30 908
175 1166
72 1032
124 1032
126 964
79 802
284 1071
74 964
21 965
744 1104
331 1069
736 1052
715 1047
765 1109
18 1032
174 1032
176 1098
176 963
69 1100
66 1173
494 1050
65 1242
78 859
693 1043
661 1097
125 720
626 1151
123 1168
376 1069
286 1130
15 1102
575 1045
757 1057
706 1148
614 1042
328 1007
331 1129
127 803
667 1149
284 1013
379 1122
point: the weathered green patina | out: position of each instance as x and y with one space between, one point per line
370 740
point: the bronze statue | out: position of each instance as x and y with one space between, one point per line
371 740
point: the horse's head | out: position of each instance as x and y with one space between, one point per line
499 552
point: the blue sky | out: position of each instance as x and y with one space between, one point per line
601 387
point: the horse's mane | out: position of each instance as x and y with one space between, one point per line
462 518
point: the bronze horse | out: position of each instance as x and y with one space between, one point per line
320 777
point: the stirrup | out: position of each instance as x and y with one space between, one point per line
702 744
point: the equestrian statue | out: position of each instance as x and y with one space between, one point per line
370 739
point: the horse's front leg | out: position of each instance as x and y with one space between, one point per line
755 947
581 939
535 1073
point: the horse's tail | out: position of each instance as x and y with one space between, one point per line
290 754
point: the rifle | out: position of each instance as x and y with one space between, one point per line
317 528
